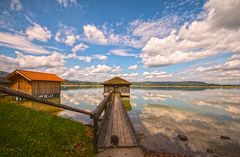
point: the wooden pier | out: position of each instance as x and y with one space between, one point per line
114 136
117 123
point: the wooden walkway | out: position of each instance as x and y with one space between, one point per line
116 122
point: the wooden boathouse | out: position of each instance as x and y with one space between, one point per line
123 86
35 83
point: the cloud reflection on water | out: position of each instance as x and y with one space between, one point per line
202 115
163 114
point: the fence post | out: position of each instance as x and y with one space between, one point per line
95 134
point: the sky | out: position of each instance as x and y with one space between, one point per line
90 40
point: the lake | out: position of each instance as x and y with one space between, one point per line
159 116
207 117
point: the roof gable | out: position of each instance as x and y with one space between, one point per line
36 76
116 81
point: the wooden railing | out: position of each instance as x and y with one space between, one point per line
94 115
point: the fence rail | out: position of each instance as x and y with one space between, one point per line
41 100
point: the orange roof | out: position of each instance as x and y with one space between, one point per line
36 76
116 81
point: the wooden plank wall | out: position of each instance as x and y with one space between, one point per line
21 84
123 89
46 87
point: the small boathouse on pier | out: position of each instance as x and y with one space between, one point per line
35 83
123 86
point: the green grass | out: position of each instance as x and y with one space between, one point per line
26 132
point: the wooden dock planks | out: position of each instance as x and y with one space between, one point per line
116 122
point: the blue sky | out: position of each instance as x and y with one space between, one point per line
167 40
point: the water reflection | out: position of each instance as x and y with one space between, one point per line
201 115
34 105
126 103
160 115
87 99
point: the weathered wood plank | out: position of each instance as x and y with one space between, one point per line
127 128
106 127
118 124
99 109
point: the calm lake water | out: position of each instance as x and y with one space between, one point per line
160 115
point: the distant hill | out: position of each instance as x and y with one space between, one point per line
155 83
76 82
181 83
3 73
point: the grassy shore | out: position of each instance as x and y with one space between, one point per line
26 132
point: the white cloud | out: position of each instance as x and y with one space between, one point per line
16 5
122 52
130 75
156 75
141 31
38 32
67 3
98 69
227 72
79 47
223 13
116 69
133 67
71 39
94 34
28 61
21 43
31 62
196 40
66 35
86 59
93 73
100 57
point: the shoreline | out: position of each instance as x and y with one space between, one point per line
162 86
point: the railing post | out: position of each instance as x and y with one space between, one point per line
95 134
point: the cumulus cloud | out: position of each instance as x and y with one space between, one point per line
80 47
156 75
122 52
31 62
133 67
21 43
94 34
100 57
86 59
224 13
98 69
66 35
67 3
38 32
116 69
98 72
16 5
226 72
129 75
196 40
